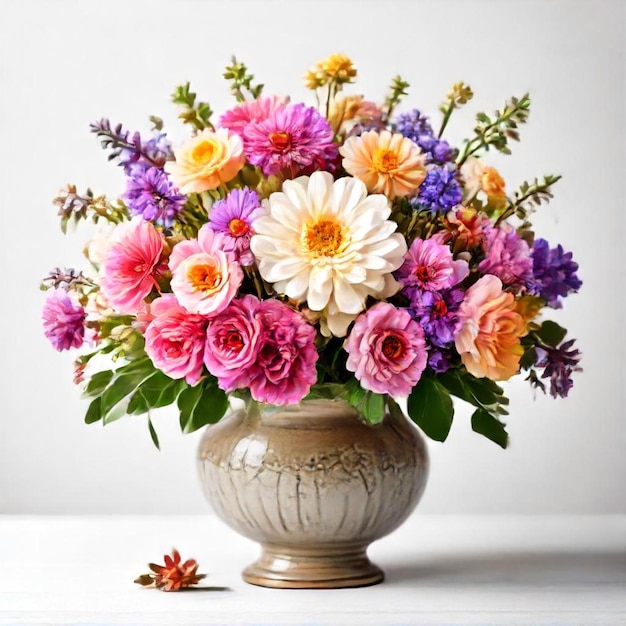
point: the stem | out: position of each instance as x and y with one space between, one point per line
444 122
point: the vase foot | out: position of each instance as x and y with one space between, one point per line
321 567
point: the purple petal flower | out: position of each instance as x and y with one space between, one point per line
234 216
63 322
554 272
559 364
417 128
150 193
440 192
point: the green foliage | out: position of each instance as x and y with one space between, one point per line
550 333
490 426
240 79
430 407
203 404
495 132
369 404
196 114
459 94
531 195
397 91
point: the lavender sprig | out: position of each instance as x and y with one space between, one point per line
67 279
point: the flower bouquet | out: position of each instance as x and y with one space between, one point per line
334 249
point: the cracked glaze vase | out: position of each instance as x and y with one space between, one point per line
314 485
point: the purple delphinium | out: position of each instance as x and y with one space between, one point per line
554 272
234 216
508 257
440 192
294 137
153 153
63 321
417 128
559 364
436 312
150 193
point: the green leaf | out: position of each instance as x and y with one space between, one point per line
369 404
156 391
98 382
116 397
551 333
486 424
94 411
203 404
430 407
153 435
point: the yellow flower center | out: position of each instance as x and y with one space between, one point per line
324 237
237 227
280 141
385 161
204 277
203 152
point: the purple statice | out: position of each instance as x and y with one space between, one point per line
559 364
417 128
295 138
508 257
150 193
63 321
440 360
436 312
554 272
234 217
440 192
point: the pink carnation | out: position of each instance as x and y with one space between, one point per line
236 119
204 277
232 343
130 264
175 339
386 350
284 369
63 321
429 265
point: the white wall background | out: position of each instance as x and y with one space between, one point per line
66 63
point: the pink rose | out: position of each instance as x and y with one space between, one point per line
175 339
284 369
232 343
386 350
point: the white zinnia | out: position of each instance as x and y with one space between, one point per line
329 243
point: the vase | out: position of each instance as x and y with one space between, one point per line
314 485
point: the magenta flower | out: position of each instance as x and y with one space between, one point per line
63 321
508 257
130 264
233 217
232 343
386 350
429 265
284 369
175 339
236 119
294 138
204 277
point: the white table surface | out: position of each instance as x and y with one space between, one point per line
440 570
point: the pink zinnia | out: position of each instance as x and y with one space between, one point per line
175 339
204 277
294 138
508 257
429 265
130 264
232 343
284 369
386 350
236 119
63 321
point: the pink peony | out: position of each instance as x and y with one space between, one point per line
63 321
175 339
284 369
488 339
130 263
204 277
232 343
386 350
236 119
429 265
